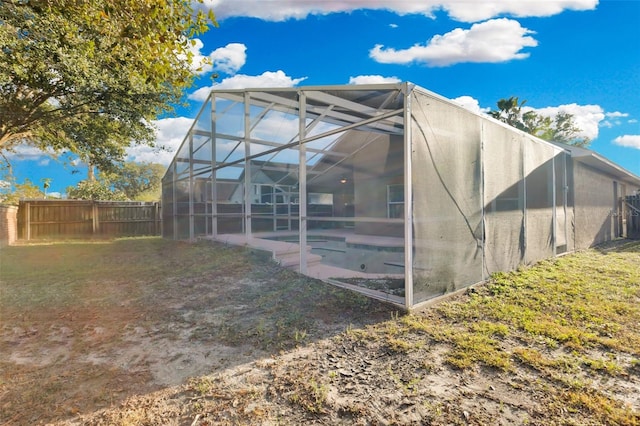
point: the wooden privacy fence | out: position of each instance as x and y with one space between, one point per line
54 219
633 217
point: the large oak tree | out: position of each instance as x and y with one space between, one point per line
90 76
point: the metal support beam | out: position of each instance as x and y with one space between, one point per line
310 139
191 189
408 203
554 219
247 167
484 274
565 200
524 197
302 181
214 180
174 201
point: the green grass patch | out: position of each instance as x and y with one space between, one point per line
571 322
589 299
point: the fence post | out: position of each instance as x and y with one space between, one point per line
94 214
28 221
156 218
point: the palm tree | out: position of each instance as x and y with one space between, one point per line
46 184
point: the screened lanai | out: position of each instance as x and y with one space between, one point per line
390 190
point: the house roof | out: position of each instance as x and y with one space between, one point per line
598 162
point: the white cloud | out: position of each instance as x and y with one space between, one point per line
241 81
296 9
633 121
586 117
498 40
469 103
202 93
170 132
373 79
29 153
276 126
614 119
228 59
629 141
393 25
465 11
481 10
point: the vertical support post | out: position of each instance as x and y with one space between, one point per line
214 179
274 209
95 218
408 200
174 202
156 217
554 219
28 220
613 217
302 178
191 188
565 198
623 210
483 273
524 198
247 167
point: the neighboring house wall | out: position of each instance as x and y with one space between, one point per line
8 225
632 215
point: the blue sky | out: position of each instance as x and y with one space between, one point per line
578 56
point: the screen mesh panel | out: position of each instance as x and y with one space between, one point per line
594 201
503 197
538 169
447 203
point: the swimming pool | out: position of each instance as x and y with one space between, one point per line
353 253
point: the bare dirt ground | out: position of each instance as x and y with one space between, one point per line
230 338
188 310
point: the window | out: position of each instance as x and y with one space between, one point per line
264 194
320 198
395 201
271 194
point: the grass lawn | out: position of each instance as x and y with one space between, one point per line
150 331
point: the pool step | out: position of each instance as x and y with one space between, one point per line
292 260
285 253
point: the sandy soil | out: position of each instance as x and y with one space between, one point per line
60 363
